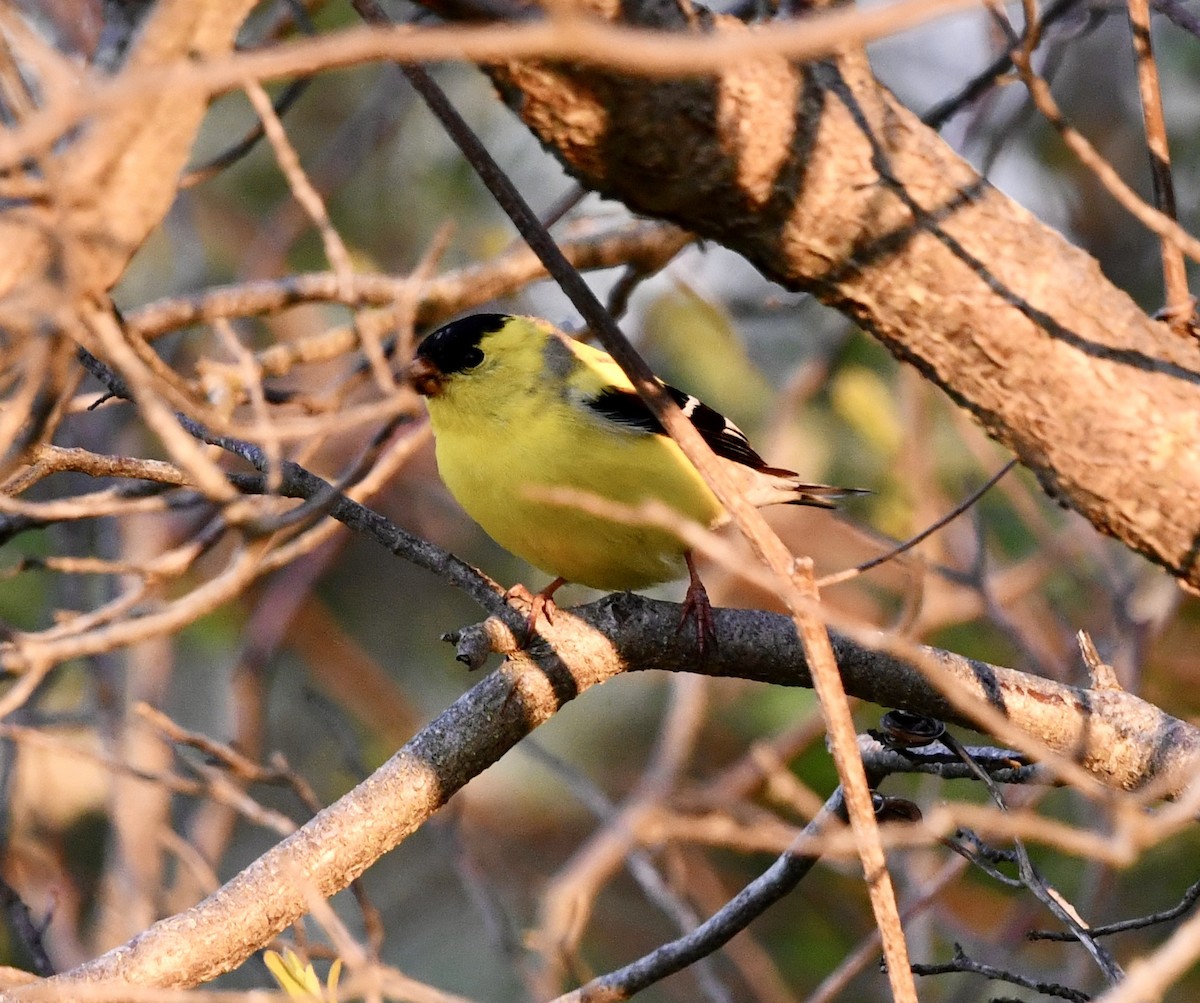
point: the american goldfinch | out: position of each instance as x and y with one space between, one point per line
519 409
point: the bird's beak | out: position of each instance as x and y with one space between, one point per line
424 377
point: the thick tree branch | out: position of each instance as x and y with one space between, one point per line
1118 737
637 242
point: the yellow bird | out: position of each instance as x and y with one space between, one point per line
519 409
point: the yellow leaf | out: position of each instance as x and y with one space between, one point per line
295 978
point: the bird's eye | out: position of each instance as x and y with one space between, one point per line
472 357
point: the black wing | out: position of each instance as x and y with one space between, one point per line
724 438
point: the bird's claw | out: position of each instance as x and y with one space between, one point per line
540 604
698 607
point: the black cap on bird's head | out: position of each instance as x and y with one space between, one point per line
452 348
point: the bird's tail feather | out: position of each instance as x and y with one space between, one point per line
783 487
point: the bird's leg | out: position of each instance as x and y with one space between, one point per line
539 603
696 605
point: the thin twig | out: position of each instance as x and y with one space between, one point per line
306 194
1051 898
927 532
962 963
228 157
937 116
1155 221
1180 305
1185 905
637 241
765 890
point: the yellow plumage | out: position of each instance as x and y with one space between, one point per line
518 409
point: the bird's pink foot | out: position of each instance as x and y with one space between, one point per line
696 606
540 604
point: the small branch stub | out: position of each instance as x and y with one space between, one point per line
1102 674
473 644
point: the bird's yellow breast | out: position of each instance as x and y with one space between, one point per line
498 452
